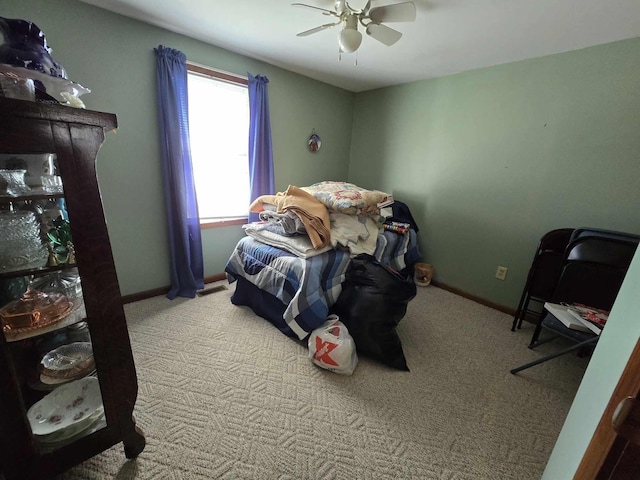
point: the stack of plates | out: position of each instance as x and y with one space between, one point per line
67 363
71 411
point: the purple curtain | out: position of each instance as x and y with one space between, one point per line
261 179
185 241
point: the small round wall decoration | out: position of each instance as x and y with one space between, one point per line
314 142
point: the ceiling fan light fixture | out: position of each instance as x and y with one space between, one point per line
349 40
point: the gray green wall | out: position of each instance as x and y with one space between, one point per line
113 56
489 160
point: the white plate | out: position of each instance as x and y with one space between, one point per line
73 430
54 85
65 406
67 356
48 447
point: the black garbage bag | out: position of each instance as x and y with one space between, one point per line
374 299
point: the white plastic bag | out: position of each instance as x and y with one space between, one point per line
332 347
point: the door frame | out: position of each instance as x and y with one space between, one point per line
600 452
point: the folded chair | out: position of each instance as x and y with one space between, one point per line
592 271
583 341
598 232
542 274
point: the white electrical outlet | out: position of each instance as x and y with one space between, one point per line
501 273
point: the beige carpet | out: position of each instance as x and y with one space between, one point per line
223 394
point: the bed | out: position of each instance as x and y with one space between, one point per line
293 283
294 293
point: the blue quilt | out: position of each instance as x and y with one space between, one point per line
308 287
397 251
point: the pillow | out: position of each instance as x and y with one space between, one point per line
374 299
347 198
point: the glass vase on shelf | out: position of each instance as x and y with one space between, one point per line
12 182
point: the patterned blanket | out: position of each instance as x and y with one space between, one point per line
347 198
309 287
397 251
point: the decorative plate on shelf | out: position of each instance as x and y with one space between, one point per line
65 406
73 430
49 383
47 445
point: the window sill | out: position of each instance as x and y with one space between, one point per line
222 222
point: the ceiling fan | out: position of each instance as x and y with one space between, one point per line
371 19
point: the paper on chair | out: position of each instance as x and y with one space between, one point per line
563 315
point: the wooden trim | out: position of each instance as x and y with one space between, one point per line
604 436
221 276
217 75
222 222
480 300
136 297
215 278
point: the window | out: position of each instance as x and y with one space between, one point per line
219 136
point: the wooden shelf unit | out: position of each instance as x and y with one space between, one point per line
74 136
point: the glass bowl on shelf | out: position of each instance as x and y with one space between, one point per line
67 362
24 260
16 219
34 309
66 282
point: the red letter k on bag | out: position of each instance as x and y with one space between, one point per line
322 351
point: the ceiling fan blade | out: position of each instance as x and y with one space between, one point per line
316 29
323 10
383 34
400 12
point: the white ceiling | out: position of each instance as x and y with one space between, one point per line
448 36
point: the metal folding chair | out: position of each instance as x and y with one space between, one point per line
542 273
584 341
592 271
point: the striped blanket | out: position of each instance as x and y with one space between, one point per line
309 287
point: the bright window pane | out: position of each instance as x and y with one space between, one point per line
219 134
